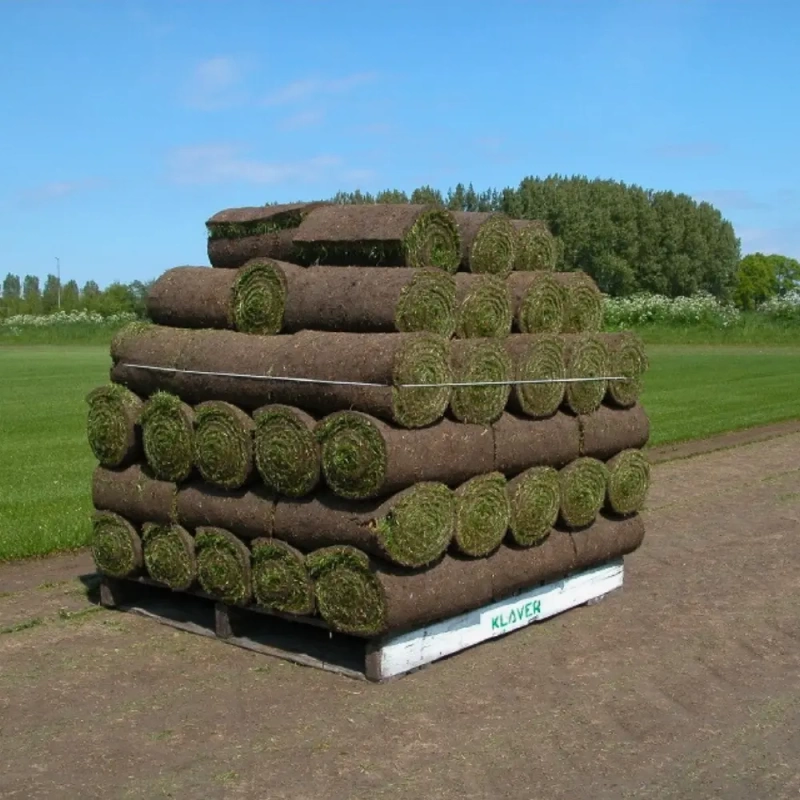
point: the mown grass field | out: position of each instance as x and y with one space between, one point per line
46 465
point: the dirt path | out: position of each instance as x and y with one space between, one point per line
687 685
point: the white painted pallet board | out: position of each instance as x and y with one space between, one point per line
395 655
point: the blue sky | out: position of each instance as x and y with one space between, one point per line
126 124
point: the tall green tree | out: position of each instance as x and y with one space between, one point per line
70 296
50 294
32 295
91 296
755 281
12 294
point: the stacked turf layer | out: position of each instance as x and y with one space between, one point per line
334 425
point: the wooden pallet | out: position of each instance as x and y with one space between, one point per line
309 642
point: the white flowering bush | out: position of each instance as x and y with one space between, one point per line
60 318
786 308
648 309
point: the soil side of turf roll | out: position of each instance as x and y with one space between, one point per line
609 430
309 354
456 585
348 299
235 253
521 443
448 452
133 494
370 234
323 520
192 297
259 214
247 513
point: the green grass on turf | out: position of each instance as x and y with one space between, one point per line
46 464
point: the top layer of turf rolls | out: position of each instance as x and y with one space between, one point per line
535 246
237 235
389 360
390 235
112 425
488 242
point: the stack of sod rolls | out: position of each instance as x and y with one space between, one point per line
377 415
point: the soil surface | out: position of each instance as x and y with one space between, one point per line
684 685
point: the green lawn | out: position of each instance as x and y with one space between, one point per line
46 465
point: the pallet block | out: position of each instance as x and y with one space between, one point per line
310 642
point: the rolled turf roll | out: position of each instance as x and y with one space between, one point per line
488 242
537 357
628 482
287 453
484 306
583 303
476 361
168 436
169 555
134 494
112 425
223 444
521 443
538 301
607 431
363 457
365 597
585 356
249 299
535 246
387 359
626 357
115 545
412 528
382 234
247 513
583 485
370 300
280 580
237 235
535 497
483 513
223 566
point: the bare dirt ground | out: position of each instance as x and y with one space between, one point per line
686 685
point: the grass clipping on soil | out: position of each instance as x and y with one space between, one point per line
258 298
223 444
586 356
583 484
475 361
538 302
483 513
115 544
628 482
287 453
223 565
280 580
484 307
535 247
169 555
626 358
168 435
535 497
418 526
349 597
111 425
537 357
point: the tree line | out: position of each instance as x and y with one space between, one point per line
28 296
629 239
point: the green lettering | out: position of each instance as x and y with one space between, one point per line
497 622
537 606
528 610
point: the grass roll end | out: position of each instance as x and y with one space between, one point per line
280 579
223 565
169 555
628 482
115 545
168 436
111 424
483 514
